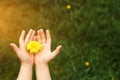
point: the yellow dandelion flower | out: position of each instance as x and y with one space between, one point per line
87 63
68 6
33 47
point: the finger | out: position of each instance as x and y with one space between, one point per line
56 51
42 36
48 37
15 48
38 34
27 39
32 35
21 39
38 38
35 38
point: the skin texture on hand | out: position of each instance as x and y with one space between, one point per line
26 59
45 55
21 52
41 59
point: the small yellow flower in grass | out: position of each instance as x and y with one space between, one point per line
33 47
87 63
68 6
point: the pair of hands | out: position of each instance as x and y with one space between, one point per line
42 57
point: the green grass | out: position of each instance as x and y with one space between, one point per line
89 31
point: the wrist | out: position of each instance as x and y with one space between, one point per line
27 65
41 64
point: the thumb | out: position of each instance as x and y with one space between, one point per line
15 48
56 51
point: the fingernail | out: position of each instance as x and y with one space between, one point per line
47 30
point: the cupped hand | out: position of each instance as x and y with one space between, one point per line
21 52
45 55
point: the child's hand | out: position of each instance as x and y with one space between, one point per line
45 55
21 52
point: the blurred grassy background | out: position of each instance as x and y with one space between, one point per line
88 30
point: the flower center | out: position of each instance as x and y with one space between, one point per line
33 47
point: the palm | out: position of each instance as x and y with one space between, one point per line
24 55
45 55
21 52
